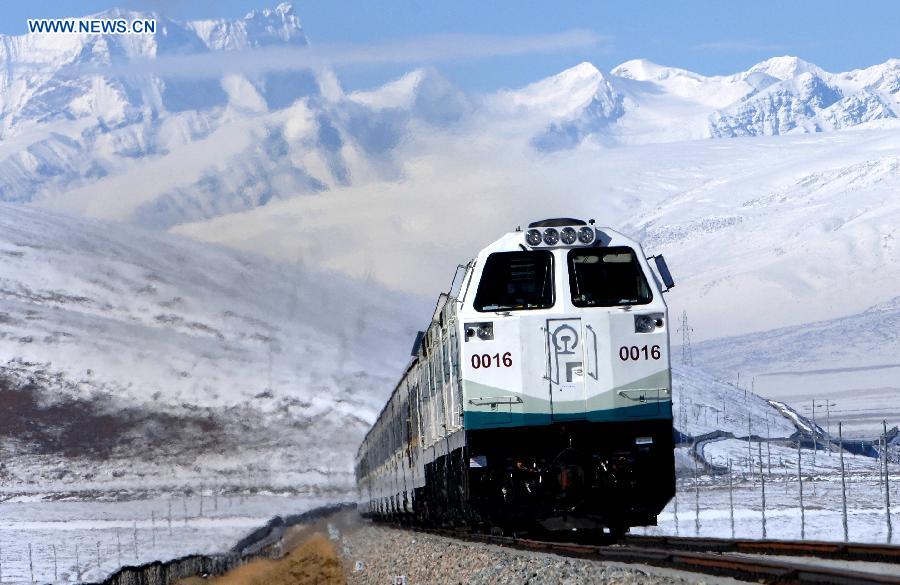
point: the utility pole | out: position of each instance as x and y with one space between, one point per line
817 403
687 354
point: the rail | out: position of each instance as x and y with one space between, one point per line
745 560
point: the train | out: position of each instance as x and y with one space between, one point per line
539 398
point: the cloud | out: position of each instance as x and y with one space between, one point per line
431 49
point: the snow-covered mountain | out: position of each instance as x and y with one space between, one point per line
118 342
83 121
642 102
87 127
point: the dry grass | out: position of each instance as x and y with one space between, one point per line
314 561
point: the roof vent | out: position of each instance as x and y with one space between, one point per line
556 222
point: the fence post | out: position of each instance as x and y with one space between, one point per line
815 444
843 480
675 511
731 498
783 466
77 565
134 533
887 488
99 562
696 501
800 479
30 563
763 478
118 547
55 572
749 445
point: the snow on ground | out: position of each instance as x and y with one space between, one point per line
122 345
703 506
162 320
780 458
703 404
91 539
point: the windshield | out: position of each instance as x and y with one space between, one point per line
607 277
516 280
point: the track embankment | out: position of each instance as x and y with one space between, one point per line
315 561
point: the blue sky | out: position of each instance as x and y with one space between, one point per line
704 36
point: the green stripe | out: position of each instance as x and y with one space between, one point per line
500 419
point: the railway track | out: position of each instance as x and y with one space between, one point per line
770 561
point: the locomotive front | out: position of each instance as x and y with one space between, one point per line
566 381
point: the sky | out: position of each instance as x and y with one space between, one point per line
704 36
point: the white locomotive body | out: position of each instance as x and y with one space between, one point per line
539 395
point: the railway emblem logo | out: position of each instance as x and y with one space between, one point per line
565 344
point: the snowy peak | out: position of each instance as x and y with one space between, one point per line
579 102
563 95
269 26
423 92
791 105
786 67
866 105
644 70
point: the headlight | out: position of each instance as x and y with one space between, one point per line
483 331
551 236
568 235
586 235
533 237
647 323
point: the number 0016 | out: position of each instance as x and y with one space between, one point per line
634 353
486 360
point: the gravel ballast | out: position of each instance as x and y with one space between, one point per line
386 552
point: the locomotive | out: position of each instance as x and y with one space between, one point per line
539 397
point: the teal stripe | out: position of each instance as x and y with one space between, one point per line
488 420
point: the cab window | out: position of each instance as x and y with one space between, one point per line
607 277
513 281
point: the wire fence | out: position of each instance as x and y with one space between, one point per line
168 528
786 488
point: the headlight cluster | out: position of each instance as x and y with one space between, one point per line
648 323
567 235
